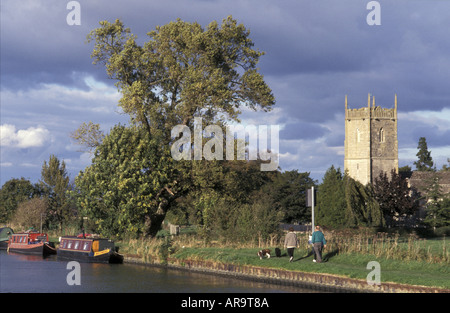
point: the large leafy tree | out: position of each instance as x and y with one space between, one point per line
183 71
120 191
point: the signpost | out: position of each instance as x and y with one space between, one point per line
310 199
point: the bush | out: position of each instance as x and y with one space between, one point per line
165 249
442 231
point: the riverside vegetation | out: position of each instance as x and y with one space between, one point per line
404 259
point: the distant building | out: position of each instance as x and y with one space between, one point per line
421 181
371 144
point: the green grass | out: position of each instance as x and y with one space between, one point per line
405 260
348 264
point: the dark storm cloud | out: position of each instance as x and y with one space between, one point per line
303 130
435 136
322 45
316 52
39 47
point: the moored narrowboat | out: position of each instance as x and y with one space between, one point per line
31 243
5 232
92 250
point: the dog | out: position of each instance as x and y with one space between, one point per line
278 252
264 253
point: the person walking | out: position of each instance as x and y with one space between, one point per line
290 243
313 253
319 242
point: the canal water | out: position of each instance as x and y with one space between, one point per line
34 274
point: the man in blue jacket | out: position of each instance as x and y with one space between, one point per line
319 242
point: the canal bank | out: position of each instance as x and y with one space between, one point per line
314 281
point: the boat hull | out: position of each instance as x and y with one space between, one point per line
90 257
4 245
40 248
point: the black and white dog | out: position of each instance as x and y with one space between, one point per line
264 253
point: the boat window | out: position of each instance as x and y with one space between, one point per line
63 244
86 246
77 243
69 245
21 239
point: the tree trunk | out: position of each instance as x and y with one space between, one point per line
153 221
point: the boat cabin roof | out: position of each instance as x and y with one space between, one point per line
5 232
87 238
23 237
84 244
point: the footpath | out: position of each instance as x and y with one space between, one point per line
314 281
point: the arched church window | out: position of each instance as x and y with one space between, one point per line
382 136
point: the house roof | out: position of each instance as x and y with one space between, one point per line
422 180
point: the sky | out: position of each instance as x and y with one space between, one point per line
316 52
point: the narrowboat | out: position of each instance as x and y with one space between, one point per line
5 232
31 243
91 250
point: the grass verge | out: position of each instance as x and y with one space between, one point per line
347 264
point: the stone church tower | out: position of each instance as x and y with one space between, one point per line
371 144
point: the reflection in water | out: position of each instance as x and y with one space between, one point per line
31 273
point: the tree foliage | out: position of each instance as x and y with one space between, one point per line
362 208
288 195
425 161
122 190
394 197
55 185
438 205
331 201
89 136
30 213
183 71
235 200
12 193
219 191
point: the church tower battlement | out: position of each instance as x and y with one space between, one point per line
371 144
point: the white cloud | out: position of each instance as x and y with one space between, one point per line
23 138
